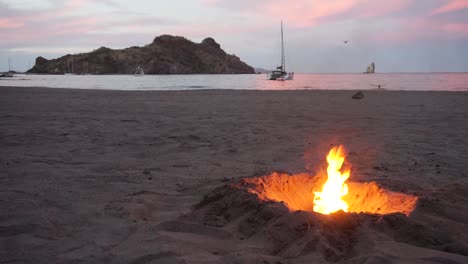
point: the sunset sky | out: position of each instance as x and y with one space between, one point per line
398 35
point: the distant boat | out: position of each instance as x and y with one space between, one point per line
70 72
139 71
370 68
7 74
84 70
10 73
280 73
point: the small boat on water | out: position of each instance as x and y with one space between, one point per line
10 73
84 69
70 70
370 68
139 71
7 74
280 74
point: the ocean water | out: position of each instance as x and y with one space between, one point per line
393 81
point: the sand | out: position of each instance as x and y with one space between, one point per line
129 177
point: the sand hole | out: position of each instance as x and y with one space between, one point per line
297 193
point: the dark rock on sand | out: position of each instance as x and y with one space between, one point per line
358 95
165 55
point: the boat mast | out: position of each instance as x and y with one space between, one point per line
9 64
283 59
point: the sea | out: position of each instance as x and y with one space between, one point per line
358 81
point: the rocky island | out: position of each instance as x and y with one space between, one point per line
165 55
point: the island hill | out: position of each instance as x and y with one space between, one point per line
165 55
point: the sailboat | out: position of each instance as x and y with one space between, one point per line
68 66
10 73
280 73
84 70
370 68
139 71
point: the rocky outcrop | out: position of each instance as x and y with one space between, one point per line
165 55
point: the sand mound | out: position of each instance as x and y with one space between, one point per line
243 211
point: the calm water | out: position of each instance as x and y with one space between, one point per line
418 81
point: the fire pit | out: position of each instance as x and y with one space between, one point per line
330 193
322 216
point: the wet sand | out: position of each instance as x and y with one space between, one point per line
92 176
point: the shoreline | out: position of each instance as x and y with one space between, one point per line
233 90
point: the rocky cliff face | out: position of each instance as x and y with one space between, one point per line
165 55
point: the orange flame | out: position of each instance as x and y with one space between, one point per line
330 200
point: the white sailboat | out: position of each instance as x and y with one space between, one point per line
370 68
139 71
10 73
280 74
84 70
70 62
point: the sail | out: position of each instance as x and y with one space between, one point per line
371 68
283 58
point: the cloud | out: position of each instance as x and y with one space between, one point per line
6 23
461 29
27 4
417 29
304 13
299 13
451 6
395 21
372 9
64 23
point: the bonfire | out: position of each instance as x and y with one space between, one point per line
312 193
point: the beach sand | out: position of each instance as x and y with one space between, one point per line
107 176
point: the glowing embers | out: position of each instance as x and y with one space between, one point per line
330 193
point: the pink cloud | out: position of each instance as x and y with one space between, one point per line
381 8
398 20
416 29
60 26
451 6
459 28
303 13
203 30
306 13
299 13
73 5
9 23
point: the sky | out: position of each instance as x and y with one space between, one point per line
398 35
